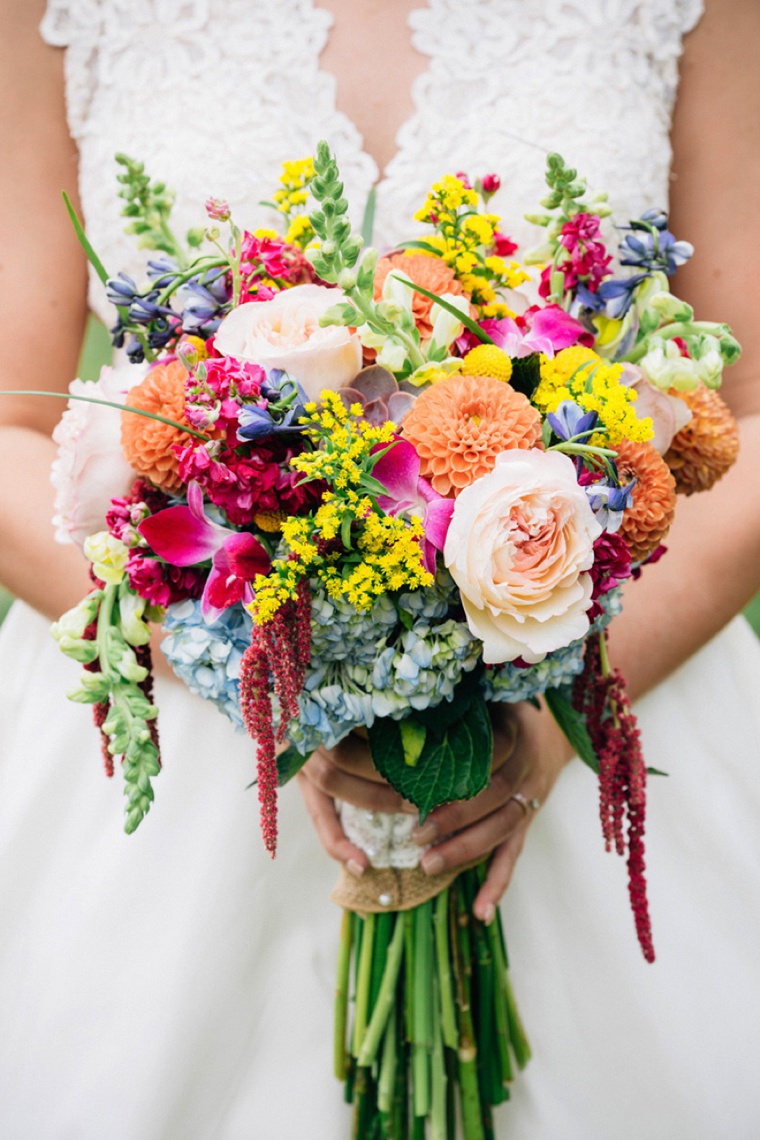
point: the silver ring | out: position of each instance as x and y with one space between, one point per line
527 805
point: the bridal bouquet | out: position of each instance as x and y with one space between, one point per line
379 494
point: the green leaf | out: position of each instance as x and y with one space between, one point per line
573 724
454 762
428 248
468 322
445 714
84 241
345 531
368 221
656 772
289 764
526 373
413 735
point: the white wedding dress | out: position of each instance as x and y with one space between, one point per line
177 984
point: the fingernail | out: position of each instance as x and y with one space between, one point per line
354 867
426 833
489 914
432 863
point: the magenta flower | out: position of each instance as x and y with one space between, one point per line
408 494
184 536
547 329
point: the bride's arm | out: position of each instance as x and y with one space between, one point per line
712 568
43 310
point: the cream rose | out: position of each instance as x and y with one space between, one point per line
519 543
285 333
90 469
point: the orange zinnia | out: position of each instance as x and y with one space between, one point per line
429 272
460 425
147 444
648 519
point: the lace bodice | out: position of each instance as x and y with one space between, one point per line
213 94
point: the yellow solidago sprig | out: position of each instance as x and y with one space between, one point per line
464 238
578 374
291 198
348 543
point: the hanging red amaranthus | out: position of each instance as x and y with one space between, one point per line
275 661
600 695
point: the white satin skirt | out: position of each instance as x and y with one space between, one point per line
177 984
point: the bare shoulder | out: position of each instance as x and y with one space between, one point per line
42 270
716 178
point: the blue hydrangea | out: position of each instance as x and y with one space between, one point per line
206 655
433 602
423 667
340 632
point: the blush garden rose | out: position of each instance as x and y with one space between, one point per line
519 547
285 333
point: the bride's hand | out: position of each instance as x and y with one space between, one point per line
460 832
498 819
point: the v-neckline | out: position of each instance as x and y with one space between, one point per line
379 176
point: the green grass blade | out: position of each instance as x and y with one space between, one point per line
109 404
368 221
84 241
468 322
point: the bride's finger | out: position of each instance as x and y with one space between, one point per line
327 825
454 817
333 781
475 841
499 875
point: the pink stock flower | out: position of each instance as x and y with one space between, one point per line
409 494
246 485
161 584
490 183
503 246
184 536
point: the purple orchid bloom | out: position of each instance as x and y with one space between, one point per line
409 494
184 536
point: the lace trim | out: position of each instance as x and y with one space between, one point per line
506 80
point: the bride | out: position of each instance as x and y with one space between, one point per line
174 983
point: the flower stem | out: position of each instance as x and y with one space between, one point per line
448 1011
422 1007
383 1006
363 983
341 997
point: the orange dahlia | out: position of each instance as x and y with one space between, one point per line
707 446
429 272
459 426
147 444
648 519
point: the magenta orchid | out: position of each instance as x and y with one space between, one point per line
184 536
409 494
547 330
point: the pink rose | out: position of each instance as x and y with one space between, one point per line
519 546
90 468
285 333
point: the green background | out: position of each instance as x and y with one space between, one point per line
97 351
